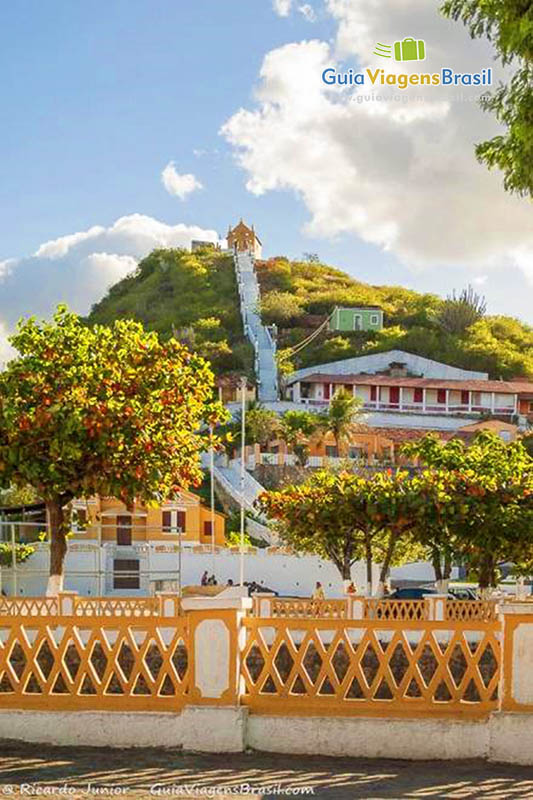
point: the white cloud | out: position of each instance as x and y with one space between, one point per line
179 185
6 351
282 7
308 12
402 175
5 267
78 268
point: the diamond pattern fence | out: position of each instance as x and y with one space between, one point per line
69 663
370 668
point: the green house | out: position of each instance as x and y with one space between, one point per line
366 318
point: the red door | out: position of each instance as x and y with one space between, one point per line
326 391
394 395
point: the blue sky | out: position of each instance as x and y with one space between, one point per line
97 98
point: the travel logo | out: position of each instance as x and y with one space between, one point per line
406 50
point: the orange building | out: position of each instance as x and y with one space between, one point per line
107 519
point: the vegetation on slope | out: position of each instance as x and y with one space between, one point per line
192 296
299 296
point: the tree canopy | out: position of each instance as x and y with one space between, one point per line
101 410
508 25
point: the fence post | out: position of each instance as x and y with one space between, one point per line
262 604
355 606
66 602
214 720
435 607
169 604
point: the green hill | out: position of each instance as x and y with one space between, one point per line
194 296
191 295
298 296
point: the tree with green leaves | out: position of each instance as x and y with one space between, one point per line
487 505
315 517
341 419
101 410
508 25
260 426
296 428
347 518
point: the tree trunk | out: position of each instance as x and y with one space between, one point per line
369 577
388 557
58 546
435 560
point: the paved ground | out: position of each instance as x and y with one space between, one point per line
39 771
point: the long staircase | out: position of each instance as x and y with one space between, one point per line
259 335
227 476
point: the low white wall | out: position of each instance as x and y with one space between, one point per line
363 737
205 729
502 738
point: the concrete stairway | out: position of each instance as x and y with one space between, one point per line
259 335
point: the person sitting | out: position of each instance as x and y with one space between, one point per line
230 582
352 588
318 594
212 581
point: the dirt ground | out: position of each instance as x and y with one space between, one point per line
41 771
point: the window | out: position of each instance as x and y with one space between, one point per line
355 452
374 319
441 395
331 451
174 521
418 396
530 406
373 393
124 530
208 529
126 573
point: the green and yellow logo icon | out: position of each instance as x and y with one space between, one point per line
405 50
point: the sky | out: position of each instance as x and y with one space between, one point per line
131 125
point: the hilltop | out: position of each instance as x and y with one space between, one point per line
298 296
194 296
190 295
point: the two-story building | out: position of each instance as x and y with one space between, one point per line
140 543
400 382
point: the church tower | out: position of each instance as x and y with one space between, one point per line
243 239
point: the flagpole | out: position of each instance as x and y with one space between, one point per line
212 468
244 384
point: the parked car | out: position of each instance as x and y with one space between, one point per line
410 593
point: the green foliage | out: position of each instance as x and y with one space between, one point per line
345 517
191 295
280 308
18 496
461 311
102 410
508 24
233 539
296 428
22 553
417 323
340 418
478 501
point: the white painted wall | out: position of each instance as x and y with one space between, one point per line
288 575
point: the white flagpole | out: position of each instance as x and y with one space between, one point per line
244 384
